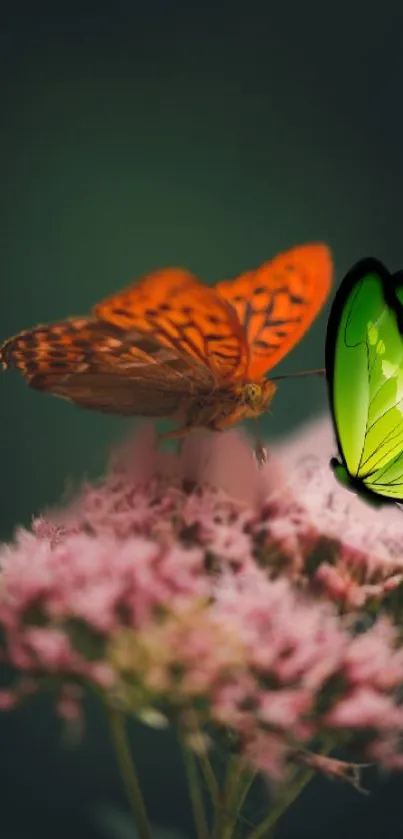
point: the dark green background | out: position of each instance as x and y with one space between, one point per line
139 136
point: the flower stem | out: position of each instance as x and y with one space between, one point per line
210 778
240 789
129 774
225 818
195 790
263 830
248 780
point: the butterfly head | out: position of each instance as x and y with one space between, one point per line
256 397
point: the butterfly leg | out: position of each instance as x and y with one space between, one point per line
260 451
172 435
186 429
220 424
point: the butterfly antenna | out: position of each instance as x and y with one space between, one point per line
319 372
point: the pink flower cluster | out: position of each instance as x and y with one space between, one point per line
197 587
358 561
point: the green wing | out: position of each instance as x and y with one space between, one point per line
364 366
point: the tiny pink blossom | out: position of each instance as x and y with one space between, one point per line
374 657
205 586
8 699
366 707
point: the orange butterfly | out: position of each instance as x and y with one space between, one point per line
169 346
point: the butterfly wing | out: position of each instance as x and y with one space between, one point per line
364 366
181 313
277 302
97 366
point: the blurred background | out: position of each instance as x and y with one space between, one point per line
137 136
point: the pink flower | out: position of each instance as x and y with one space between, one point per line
366 708
364 546
201 587
7 700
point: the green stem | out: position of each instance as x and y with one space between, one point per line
195 791
263 830
244 790
224 822
210 778
240 788
229 806
129 774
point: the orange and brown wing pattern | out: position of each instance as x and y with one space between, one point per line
278 302
55 348
96 366
181 313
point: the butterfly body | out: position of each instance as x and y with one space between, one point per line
226 406
169 346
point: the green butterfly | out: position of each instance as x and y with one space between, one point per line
364 369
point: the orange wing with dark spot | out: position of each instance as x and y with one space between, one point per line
181 313
95 365
277 303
